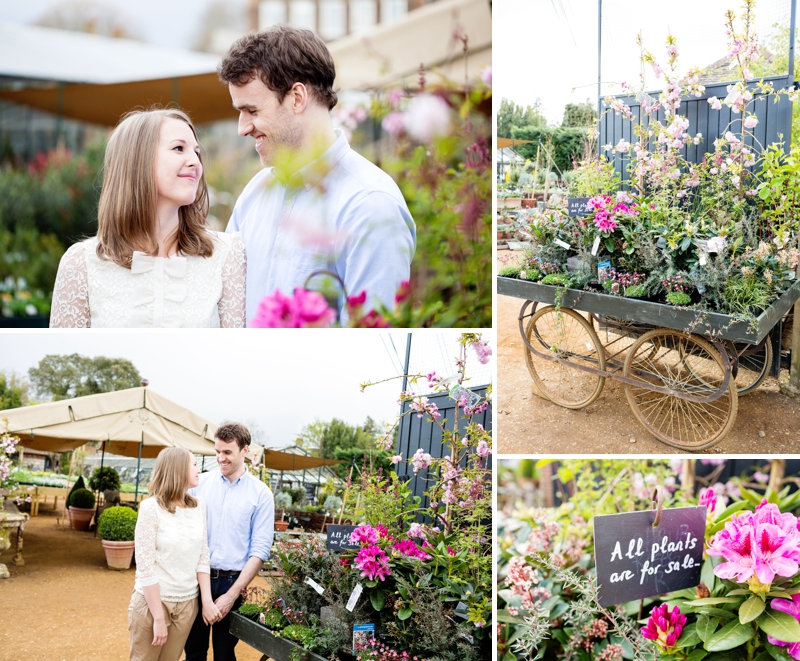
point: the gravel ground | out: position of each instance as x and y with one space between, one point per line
768 422
64 604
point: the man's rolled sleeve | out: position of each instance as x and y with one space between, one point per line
263 527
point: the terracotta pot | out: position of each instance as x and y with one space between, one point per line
81 517
281 526
119 554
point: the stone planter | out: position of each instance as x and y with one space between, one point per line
119 554
81 517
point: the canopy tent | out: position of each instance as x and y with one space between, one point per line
136 422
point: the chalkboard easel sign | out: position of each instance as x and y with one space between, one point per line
636 559
578 206
339 538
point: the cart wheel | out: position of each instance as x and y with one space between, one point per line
568 335
754 364
679 422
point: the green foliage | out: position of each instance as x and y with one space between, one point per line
251 610
79 485
301 633
30 255
509 271
117 524
64 377
678 298
359 457
567 143
742 293
283 500
560 279
527 469
12 393
109 480
579 115
332 504
511 116
82 498
636 291
595 176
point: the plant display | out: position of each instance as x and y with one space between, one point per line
423 569
721 234
82 498
104 479
117 524
17 300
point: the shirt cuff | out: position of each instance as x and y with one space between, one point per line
146 582
203 569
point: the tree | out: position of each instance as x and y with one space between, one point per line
13 392
579 115
64 377
512 116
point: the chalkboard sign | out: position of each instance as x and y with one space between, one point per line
578 206
636 560
311 491
339 538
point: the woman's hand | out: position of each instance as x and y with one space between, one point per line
159 633
211 613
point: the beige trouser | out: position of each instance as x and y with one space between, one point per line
178 616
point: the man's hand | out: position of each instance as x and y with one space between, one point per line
225 602
159 633
211 613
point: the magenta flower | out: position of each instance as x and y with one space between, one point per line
408 547
604 221
792 608
373 563
709 499
364 535
304 309
664 627
483 351
758 546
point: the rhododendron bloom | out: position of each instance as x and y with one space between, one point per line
757 546
427 116
364 535
791 608
664 626
708 498
304 309
408 547
373 563
623 198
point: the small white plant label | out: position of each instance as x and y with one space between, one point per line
595 245
315 585
561 243
354 595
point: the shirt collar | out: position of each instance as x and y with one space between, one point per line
225 480
313 173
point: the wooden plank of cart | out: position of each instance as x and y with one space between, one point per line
266 642
682 369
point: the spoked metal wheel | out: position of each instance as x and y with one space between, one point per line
752 364
568 336
685 408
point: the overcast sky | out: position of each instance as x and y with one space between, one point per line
281 379
544 48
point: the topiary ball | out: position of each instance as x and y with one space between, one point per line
117 524
678 298
83 498
108 478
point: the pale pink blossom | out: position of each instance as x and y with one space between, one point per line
427 117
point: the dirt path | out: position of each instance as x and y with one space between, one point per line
64 604
768 422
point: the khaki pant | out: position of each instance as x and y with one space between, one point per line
178 617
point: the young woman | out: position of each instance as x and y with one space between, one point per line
154 262
172 562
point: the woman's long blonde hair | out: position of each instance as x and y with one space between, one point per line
126 215
171 479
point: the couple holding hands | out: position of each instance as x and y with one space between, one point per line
200 540
156 263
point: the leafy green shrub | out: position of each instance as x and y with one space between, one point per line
635 291
79 484
82 498
533 274
283 500
300 633
742 293
108 478
678 298
509 271
274 619
117 524
332 503
558 279
251 610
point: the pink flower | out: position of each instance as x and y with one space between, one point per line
394 123
750 121
364 535
415 530
420 460
408 547
715 103
304 309
396 459
792 608
758 546
373 563
427 117
708 498
403 292
383 531
664 627
483 449
624 198
486 75
483 351
605 222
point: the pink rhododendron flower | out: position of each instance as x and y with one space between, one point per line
408 547
304 309
426 117
623 198
373 563
364 535
664 627
708 498
757 546
394 123
791 608
383 532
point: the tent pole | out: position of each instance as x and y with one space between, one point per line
138 469
99 482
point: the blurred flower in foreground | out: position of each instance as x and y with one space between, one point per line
304 309
427 116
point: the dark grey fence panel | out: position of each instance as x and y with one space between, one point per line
415 433
774 122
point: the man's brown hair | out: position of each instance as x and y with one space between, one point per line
281 56
234 431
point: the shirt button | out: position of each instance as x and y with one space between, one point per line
307 187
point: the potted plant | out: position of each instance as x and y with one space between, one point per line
81 509
79 484
116 527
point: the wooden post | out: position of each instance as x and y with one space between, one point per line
776 473
791 387
687 476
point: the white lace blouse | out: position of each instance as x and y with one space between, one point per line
171 549
156 292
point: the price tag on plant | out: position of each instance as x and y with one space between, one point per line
354 595
315 585
636 560
578 206
339 538
562 244
595 245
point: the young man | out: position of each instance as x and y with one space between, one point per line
324 207
240 513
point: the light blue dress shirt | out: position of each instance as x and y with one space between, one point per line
340 213
240 518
